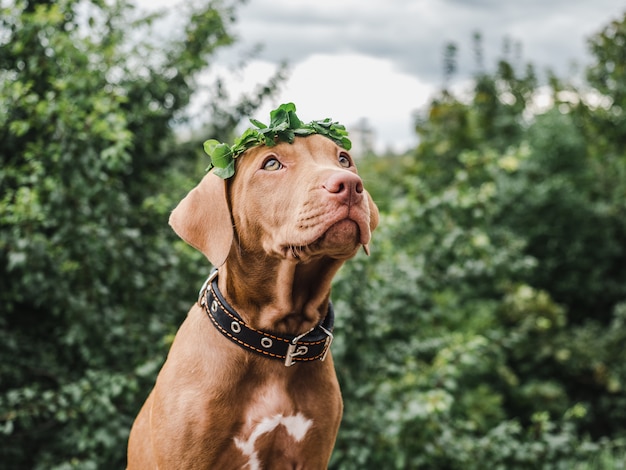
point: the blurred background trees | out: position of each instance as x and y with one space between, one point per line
492 315
93 283
487 330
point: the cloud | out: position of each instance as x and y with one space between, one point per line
413 33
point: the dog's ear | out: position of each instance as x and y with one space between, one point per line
374 217
203 219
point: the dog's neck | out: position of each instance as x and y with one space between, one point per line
284 296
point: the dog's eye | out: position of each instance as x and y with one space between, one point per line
344 160
272 165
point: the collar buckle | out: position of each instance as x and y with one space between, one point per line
202 298
329 341
294 350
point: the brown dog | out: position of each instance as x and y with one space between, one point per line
278 231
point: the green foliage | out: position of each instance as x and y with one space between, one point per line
493 120
486 330
284 126
92 282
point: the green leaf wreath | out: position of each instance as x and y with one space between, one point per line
284 126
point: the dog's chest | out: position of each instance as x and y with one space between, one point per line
272 429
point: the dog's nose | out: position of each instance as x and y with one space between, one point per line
345 186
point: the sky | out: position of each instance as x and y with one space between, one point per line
381 61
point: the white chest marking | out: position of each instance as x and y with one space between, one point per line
296 426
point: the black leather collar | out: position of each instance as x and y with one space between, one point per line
312 345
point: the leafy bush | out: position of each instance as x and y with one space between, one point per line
92 282
486 331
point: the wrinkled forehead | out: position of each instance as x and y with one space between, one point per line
312 149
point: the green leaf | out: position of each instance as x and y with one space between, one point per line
346 143
288 107
259 124
278 117
287 136
209 146
227 171
303 132
250 138
222 155
294 121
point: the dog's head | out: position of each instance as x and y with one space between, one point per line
292 201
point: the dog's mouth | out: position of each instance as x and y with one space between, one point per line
340 240
343 233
